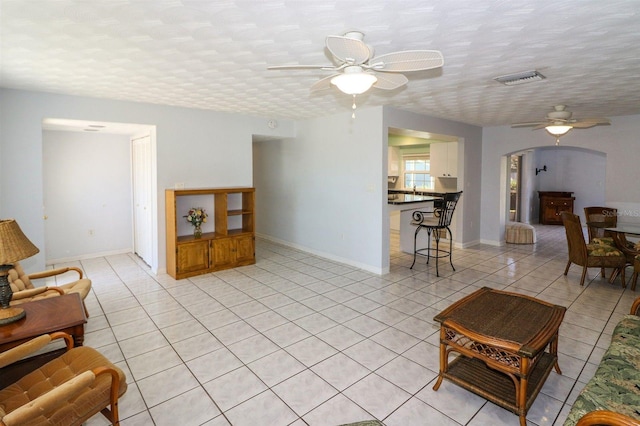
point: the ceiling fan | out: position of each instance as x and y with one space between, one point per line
356 69
558 122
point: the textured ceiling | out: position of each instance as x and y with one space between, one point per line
214 54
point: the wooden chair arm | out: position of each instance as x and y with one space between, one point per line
635 307
56 271
14 354
24 294
606 418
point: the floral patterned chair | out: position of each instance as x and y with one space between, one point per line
590 255
597 219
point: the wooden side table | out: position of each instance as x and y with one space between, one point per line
502 339
63 313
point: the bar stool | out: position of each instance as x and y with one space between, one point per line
441 220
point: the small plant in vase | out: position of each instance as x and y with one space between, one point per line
196 216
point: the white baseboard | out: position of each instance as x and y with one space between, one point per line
368 268
87 256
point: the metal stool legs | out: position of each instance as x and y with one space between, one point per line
436 235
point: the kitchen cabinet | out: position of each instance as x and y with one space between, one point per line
444 159
232 242
552 204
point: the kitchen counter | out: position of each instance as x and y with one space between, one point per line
403 198
417 192
401 206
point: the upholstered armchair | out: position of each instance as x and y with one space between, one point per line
24 290
67 390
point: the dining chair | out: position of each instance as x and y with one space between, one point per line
597 219
435 222
67 390
24 290
590 255
636 271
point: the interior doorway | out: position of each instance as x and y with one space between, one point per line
515 188
94 217
141 161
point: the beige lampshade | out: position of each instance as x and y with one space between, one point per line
14 245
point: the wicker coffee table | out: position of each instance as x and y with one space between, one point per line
508 344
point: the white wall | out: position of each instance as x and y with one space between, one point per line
87 194
200 148
575 170
323 190
619 142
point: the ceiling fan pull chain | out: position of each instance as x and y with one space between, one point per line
353 107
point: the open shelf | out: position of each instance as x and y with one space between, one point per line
228 238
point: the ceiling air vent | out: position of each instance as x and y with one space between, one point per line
520 78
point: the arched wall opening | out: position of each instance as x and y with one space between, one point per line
571 169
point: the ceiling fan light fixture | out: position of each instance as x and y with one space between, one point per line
354 81
558 129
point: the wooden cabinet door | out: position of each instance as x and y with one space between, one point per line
223 252
193 257
245 248
550 214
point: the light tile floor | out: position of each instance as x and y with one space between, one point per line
297 339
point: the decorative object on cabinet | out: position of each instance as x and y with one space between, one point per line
552 204
232 242
14 246
197 216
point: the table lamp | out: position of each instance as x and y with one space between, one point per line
14 246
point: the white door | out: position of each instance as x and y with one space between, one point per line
142 219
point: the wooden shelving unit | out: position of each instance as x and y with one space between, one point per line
231 243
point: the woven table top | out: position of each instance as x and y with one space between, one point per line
507 317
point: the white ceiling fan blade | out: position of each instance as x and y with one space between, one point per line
390 81
348 49
531 124
590 122
303 67
322 84
408 60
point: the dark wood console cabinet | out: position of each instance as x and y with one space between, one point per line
552 203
